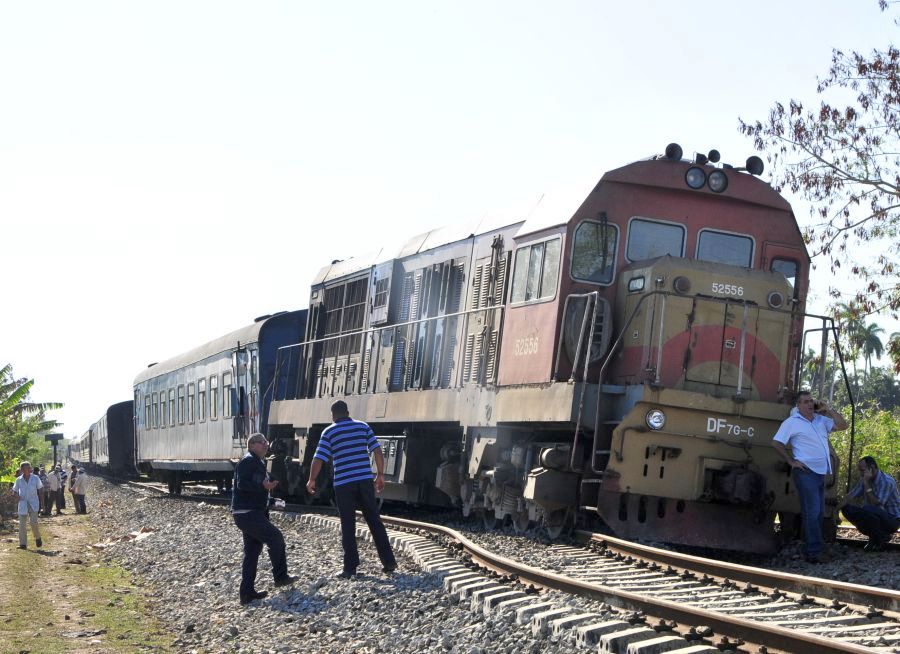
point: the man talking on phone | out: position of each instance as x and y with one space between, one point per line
811 458
250 509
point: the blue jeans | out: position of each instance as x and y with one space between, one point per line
873 521
811 489
258 531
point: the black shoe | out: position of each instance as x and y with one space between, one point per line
285 581
815 560
39 542
347 574
388 569
246 599
23 547
874 546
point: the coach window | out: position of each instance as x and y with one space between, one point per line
226 394
155 411
648 239
201 393
722 247
537 271
148 412
213 397
171 407
191 398
162 410
181 411
594 252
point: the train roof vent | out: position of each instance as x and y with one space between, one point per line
263 317
150 365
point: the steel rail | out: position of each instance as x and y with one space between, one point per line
863 596
759 633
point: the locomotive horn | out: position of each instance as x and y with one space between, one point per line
714 156
700 158
755 165
674 152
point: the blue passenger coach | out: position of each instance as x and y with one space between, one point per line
194 412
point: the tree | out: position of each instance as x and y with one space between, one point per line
22 422
843 156
870 343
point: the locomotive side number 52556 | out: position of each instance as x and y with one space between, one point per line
527 345
727 289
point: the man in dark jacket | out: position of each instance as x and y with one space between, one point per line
250 509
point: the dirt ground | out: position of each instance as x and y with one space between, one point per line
61 598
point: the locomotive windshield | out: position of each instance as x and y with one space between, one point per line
648 239
721 247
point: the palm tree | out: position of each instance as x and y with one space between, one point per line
870 343
20 419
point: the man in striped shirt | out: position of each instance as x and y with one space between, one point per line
347 443
879 516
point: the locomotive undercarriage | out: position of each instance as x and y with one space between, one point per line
702 480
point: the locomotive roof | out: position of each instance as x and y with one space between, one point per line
557 207
248 334
417 244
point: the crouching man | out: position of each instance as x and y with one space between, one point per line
879 516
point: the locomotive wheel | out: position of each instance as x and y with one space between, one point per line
556 522
489 520
521 522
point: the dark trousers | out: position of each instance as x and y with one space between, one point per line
811 489
873 521
258 531
48 502
349 497
80 506
60 497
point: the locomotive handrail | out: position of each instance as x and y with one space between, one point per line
840 355
364 332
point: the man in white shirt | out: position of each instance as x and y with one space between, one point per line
27 488
811 458
55 484
79 489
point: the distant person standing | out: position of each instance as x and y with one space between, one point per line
250 510
63 485
79 490
54 483
811 458
27 488
45 491
348 444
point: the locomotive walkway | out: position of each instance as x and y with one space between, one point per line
58 599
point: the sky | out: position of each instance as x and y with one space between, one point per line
171 170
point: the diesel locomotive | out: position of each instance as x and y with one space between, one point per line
625 354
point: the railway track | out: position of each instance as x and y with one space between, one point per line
670 600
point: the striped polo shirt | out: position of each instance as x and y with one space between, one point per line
348 443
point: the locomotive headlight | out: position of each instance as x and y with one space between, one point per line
636 284
656 419
718 181
775 299
695 177
682 285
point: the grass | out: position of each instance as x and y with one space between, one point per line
98 597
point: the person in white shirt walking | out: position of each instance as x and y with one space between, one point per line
28 489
